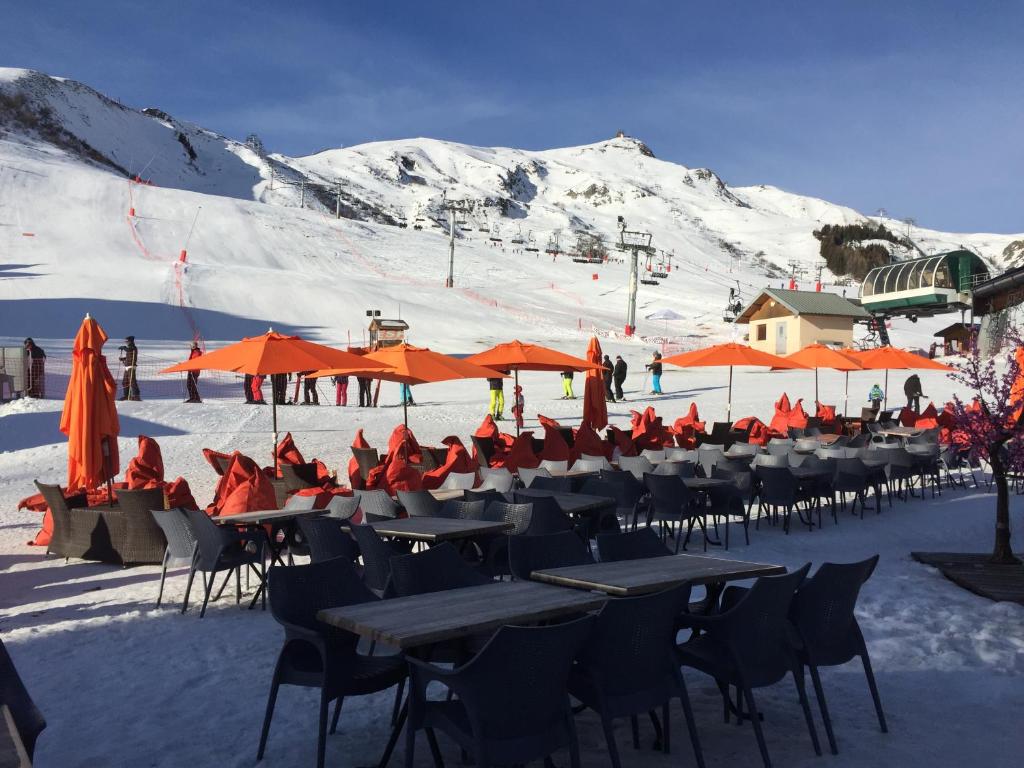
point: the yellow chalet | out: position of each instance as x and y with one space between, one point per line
784 321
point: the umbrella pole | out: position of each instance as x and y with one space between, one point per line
885 397
405 408
516 372
273 410
728 403
846 397
815 388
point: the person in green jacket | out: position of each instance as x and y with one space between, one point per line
875 396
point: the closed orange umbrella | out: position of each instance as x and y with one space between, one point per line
819 356
275 353
595 408
892 359
406 364
731 354
516 356
89 418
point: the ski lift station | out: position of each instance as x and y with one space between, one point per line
928 285
783 321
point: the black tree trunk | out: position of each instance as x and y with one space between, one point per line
1001 551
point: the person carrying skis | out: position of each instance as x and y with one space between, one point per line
607 376
619 371
655 368
497 389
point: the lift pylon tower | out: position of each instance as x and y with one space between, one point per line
453 207
636 243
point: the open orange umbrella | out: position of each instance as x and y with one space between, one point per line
410 365
595 407
892 359
819 356
515 356
731 354
89 418
275 353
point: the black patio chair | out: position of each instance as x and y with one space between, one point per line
925 456
823 612
298 476
484 449
376 554
317 655
327 540
750 645
457 509
511 705
224 549
419 503
527 554
433 570
671 505
546 516
367 459
555 484
631 496
632 545
903 471
606 519
181 543
729 502
851 476
377 505
628 666
819 490
28 720
488 496
777 489
494 547
859 441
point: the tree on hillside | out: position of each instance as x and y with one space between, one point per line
992 425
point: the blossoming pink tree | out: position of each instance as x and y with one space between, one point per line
993 427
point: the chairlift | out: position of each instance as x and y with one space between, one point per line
495 234
649 281
734 306
518 239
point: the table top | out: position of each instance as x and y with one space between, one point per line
572 472
266 516
900 431
624 578
437 528
571 503
705 483
809 473
418 620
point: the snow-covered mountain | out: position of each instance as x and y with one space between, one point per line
265 244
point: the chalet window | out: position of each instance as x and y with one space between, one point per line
762 332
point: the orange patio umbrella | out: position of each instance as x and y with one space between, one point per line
275 353
595 408
890 358
516 356
731 354
406 364
819 356
89 418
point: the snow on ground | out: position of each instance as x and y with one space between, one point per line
124 684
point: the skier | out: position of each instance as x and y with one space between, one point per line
279 388
247 388
365 399
519 405
619 376
607 376
192 379
309 393
340 390
912 389
567 386
875 397
655 368
257 390
129 380
497 389
405 393
36 369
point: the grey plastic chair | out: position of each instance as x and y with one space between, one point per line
419 503
181 544
377 505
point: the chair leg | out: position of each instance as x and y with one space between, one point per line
321 738
666 742
435 751
227 578
609 737
398 701
574 743
874 691
188 587
410 745
207 588
656 725
271 701
163 577
819 692
393 739
755 718
691 724
238 586
337 713
635 725
801 690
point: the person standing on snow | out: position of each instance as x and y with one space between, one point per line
519 405
607 376
912 389
497 389
619 372
567 386
130 378
36 368
655 368
192 379
247 387
309 393
340 390
365 398
875 397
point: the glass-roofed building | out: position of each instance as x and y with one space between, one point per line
931 283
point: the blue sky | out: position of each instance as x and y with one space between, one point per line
917 107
